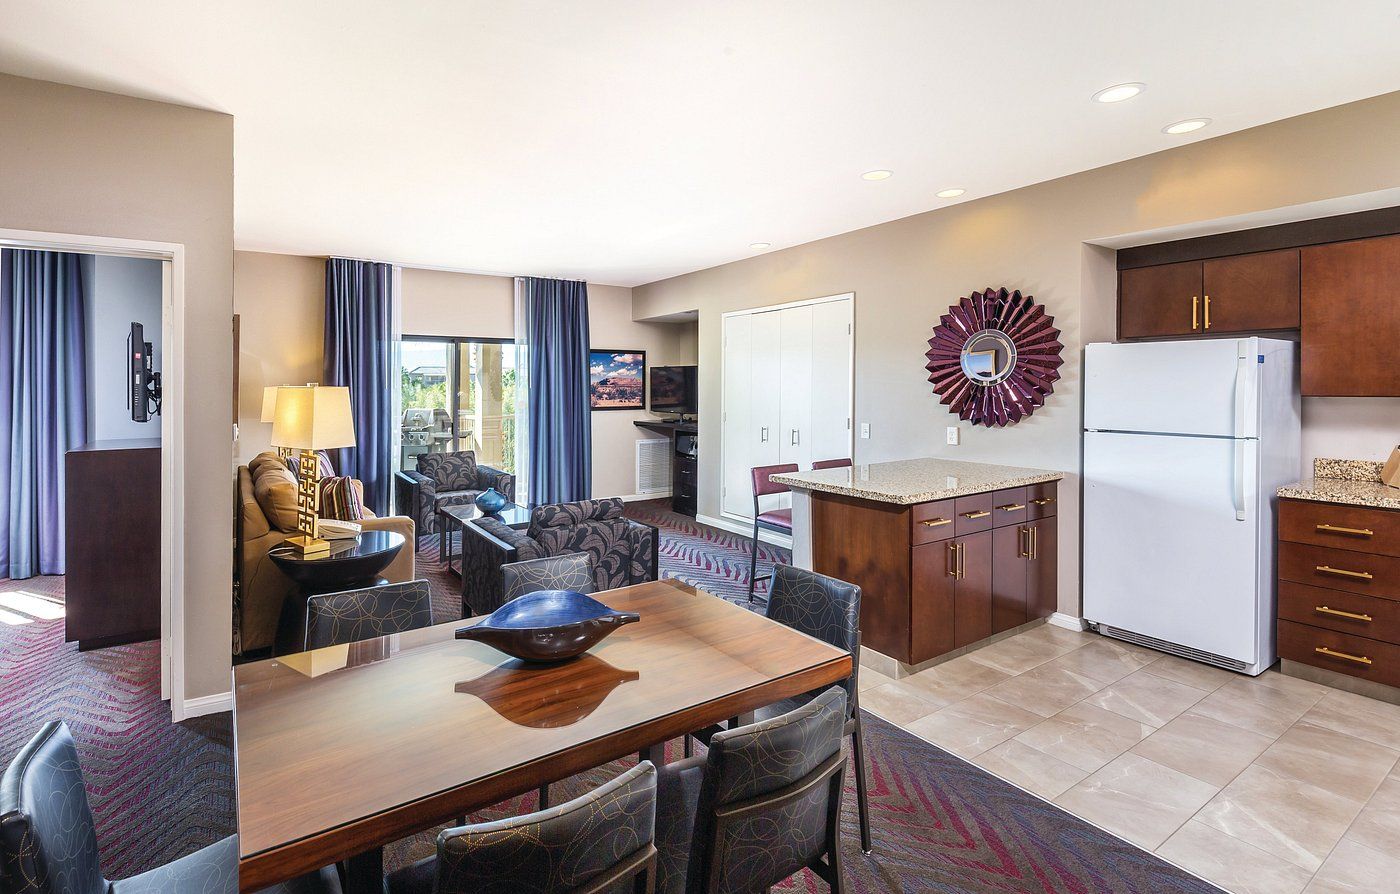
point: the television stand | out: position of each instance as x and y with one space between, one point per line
685 438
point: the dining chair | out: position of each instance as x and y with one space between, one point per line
831 464
761 805
592 844
779 520
571 571
48 843
334 619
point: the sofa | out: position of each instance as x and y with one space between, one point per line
266 515
624 551
446 479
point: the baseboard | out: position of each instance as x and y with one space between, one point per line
638 498
743 530
208 704
1069 622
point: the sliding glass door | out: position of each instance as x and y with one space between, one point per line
458 394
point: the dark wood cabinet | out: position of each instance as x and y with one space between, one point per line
1042 576
1010 573
972 588
933 584
1250 293
1155 302
1351 318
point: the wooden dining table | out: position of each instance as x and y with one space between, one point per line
343 750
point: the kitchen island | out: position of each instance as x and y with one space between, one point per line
947 553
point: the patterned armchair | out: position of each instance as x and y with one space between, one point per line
624 551
446 479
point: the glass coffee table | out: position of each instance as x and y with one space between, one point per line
452 518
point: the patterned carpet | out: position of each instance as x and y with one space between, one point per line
160 790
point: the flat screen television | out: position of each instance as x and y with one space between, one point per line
143 392
673 390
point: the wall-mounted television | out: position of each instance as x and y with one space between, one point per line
673 390
143 393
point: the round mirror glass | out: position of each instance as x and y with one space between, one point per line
988 357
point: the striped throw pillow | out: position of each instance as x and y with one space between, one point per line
340 499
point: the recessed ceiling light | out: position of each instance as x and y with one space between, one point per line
950 193
1186 126
877 175
1119 92
760 246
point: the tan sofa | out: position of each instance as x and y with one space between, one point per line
267 516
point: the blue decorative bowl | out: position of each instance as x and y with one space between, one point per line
548 625
491 501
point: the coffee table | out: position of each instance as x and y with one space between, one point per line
451 519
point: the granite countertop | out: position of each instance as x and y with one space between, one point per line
1351 482
915 480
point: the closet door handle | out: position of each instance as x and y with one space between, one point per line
763 434
795 437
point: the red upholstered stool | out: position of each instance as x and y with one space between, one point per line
779 520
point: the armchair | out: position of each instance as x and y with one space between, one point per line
624 551
445 479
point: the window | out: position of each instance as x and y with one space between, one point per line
458 394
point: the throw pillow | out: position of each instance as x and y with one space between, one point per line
275 489
340 499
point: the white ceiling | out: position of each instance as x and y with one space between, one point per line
625 141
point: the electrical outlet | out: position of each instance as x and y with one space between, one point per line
954 435
865 429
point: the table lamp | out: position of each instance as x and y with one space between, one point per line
309 419
269 415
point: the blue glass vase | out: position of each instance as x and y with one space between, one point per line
491 501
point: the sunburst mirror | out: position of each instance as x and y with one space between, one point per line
994 357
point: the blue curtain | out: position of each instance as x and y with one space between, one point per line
555 316
43 403
359 346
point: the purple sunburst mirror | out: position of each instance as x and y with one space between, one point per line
994 357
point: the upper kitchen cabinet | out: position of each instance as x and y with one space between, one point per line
1351 318
1154 302
1220 296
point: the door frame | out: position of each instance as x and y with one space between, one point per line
172 432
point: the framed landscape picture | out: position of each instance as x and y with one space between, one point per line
617 380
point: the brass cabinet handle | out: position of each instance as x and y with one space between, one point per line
950 567
1195 313
1012 507
980 513
1351 616
1328 569
1359 659
1338 529
1035 541
936 522
1044 501
1023 542
1207 326
962 561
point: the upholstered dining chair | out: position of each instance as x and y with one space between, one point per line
779 520
592 844
571 571
762 804
48 843
334 619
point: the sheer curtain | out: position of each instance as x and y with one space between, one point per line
551 336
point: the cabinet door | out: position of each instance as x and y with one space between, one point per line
738 387
1247 293
795 386
830 365
1161 300
931 623
1351 320
765 376
1042 579
972 593
1010 562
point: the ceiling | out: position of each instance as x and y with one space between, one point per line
625 141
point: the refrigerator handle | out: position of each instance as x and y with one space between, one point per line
1244 402
1239 474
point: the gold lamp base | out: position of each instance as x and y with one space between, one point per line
308 546
307 542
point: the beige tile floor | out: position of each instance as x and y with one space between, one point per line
1267 785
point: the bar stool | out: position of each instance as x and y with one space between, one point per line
779 520
831 464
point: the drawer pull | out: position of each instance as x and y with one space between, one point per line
1338 529
1012 507
1328 569
936 522
1350 616
981 513
1043 501
1359 659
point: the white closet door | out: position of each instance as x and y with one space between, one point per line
795 388
764 382
830 377
738 442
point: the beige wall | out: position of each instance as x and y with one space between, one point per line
906 273
82 162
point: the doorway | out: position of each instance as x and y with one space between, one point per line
457 394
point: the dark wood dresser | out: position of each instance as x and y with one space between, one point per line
112 518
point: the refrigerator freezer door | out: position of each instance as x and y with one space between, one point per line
1164 553
1181 387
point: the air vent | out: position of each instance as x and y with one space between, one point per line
654 466
1171 648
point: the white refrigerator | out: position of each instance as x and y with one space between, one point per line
1185 444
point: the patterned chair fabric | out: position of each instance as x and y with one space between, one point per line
762 804
603 841
446 479
48 844
570 572
819 606
333 619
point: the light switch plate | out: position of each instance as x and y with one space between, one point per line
865 429
954 435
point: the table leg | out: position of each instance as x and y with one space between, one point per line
364 873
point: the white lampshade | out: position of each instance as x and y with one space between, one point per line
313 418
269 403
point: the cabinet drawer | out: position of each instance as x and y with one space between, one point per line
972 514
931 522
1008 506
1340 569
1352 613
1346 527
1343 652
1041 500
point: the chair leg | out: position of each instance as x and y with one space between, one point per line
862 805
753 560
689 745
544 797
